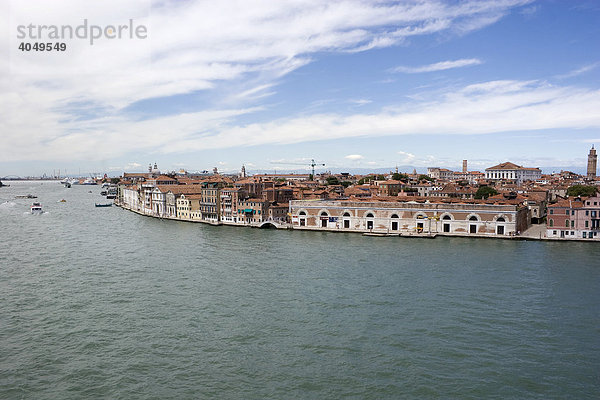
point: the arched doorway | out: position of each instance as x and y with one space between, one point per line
446 223
370 217
395 225
500 225
473 224
302 218
346 218
324 217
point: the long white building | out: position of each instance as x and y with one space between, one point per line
513 172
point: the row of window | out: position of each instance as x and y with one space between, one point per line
419 216
593 213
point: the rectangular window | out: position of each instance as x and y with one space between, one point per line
554 232
572 223
572 212
567 212
587 223
584 235
587 213
551 211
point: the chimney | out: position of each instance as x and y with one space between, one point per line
464 166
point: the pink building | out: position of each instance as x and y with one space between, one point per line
574 219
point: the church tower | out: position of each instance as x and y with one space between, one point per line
592 164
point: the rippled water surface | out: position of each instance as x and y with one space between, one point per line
104 303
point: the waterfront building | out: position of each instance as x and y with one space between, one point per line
252 210
211 201
229 203
577 218
159 202
508 171
592 164
278 212
388 215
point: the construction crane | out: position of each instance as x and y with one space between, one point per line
312 165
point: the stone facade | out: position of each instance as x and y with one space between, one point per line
409 217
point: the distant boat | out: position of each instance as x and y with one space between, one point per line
103 193
89 181
103 205
25 196
36 208
62 201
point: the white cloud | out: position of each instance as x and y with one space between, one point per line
440 66
354 157
360 102
407 157
580 71
245 47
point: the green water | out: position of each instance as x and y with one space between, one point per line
104 303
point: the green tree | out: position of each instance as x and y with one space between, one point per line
115 180
332 180
399 177
345 183
581 190
424 177
484 192
364 180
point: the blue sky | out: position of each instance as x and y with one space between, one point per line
352 84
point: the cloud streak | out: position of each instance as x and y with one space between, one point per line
439 66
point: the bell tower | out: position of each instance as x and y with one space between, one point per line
592 163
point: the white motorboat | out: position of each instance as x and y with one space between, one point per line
36 208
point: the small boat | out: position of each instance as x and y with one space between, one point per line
103 193
36 208
89 181
67 184
103 205
25 196
62 201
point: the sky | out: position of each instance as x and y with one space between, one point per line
274 84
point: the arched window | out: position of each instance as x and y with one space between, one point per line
551 222
369 215
394 215
501 219
447 218
302 213
473 218
567 223
324 214
346 214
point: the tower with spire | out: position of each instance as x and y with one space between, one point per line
592 164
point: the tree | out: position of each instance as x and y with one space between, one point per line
581 190
345 183
380 177
364 180
399 177
484 192
115 180
424 177
332 180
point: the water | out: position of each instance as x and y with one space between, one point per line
104 303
